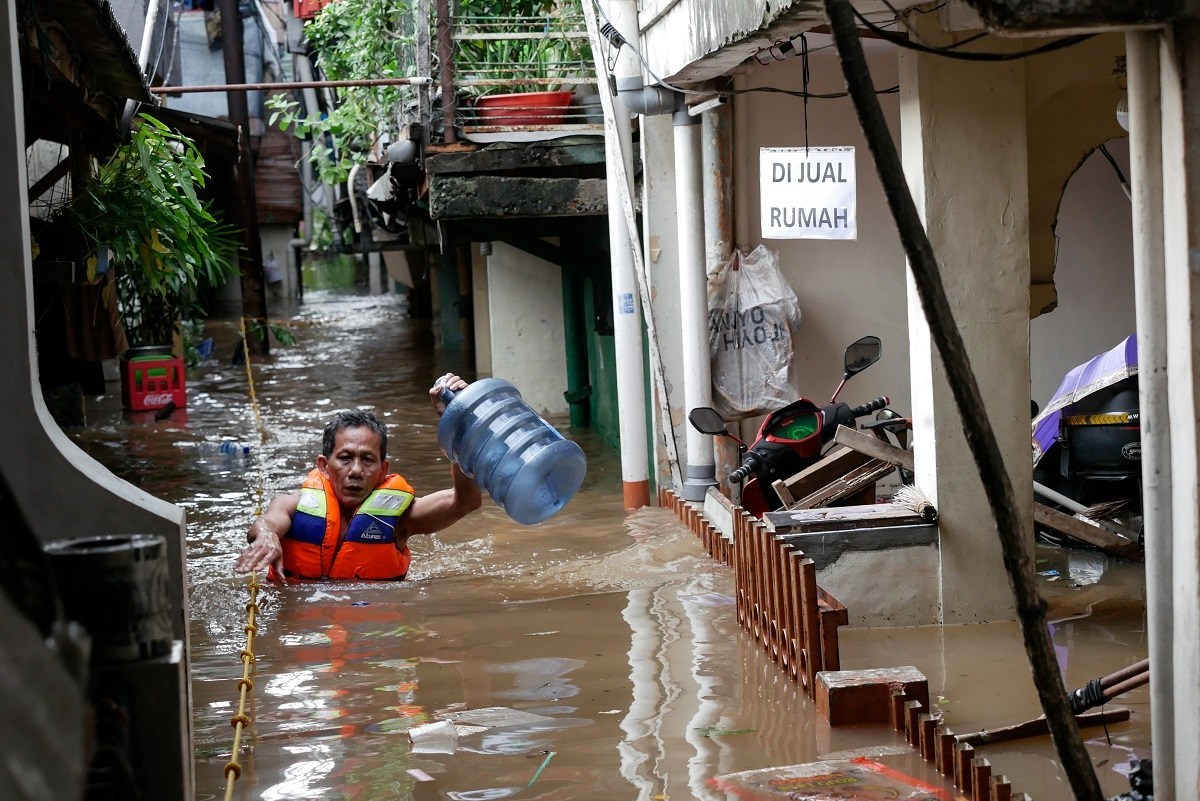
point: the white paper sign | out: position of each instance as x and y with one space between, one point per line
808 193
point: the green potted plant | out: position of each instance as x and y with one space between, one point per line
139 216
519 58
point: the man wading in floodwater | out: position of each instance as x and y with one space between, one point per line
352 519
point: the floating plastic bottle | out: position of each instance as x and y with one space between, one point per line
519 459
226 449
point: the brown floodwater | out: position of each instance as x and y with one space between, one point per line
610 637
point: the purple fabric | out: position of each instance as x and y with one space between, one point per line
1102 371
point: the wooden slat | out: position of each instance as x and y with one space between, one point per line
928 740
873 447
843 615
981 779
830 655
841 518
812 626
1038 726
945 752
835 464
912 726
897 714
855 481
1093 535
964 753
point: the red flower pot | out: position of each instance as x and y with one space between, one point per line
525 108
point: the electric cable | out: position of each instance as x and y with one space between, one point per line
981 439
891 90
636 52
948 52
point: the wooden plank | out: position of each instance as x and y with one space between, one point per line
896 711
830 655
835 464
873 447
811 662
945 752
1102 538
841 518
981 779
1037 726
928 724
964 753
849 484
824 598
912 727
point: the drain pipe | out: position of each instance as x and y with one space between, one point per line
627 322
693 301
304 73
152 15
701 471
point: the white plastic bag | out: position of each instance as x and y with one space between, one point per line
752 317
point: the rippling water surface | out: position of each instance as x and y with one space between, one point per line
609 632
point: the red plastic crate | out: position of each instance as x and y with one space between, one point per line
151 382
307 9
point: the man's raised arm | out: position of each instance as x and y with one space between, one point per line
265 534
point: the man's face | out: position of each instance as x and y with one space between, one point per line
355 466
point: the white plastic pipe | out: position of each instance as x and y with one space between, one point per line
1145 152
700 473
152 14
627 319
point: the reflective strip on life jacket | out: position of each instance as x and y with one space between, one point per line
308 523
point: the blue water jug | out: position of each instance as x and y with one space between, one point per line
514 455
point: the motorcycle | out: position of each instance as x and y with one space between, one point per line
1087 441
792 438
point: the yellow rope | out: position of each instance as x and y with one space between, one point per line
241 720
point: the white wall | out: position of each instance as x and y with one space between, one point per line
846 289
527 334
1093 274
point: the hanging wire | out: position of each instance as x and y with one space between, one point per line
949 52
804 83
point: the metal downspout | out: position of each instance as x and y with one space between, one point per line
1145 149
579 391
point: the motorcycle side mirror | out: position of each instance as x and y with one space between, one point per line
1033 409
862 354
707 420
887 414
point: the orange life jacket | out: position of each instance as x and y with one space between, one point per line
313 549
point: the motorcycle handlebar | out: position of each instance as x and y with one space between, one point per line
739 475
871 406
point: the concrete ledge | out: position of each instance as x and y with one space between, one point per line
491 197
827 547
507 156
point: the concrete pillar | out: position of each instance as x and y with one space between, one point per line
964 152
1180 73
63 491
1146 176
